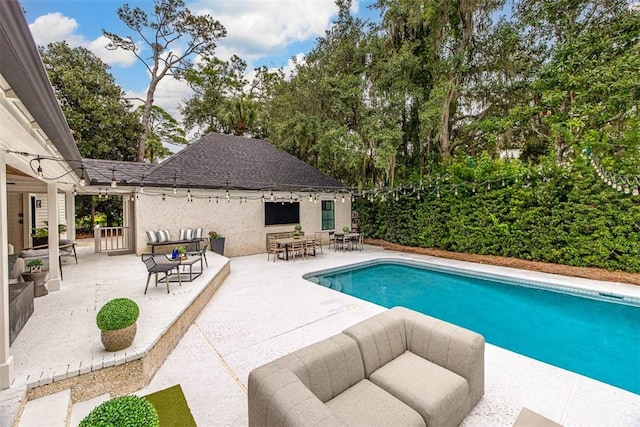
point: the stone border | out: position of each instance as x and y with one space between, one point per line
136 374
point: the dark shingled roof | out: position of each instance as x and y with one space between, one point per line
221 161
100 172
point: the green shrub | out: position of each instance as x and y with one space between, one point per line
117 314
123 411
552 215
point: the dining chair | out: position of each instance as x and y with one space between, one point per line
317 239
274 249
297 247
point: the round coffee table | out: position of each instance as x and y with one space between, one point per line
38 280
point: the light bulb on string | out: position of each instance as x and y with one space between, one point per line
343 198
627 190
39 170
310 197
142 188
272 196
163 197
114 184
83 181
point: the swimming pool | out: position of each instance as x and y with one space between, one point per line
593 334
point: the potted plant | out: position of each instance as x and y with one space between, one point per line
35 265
346 229
297 229
182 251
40 236
217 242
124 411
37 276
117 323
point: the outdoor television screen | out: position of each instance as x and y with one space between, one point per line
278 213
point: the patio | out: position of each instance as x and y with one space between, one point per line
264 310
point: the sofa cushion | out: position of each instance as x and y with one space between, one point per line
163 236
197 233
185 234
278 398
17 265
381 339
366 404
440 396
328 367
152 237
452 347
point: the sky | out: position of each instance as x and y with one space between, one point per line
261 32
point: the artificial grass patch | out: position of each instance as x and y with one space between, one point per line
172 407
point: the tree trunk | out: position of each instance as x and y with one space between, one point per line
445 131
146 117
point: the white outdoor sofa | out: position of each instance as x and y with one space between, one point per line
399 368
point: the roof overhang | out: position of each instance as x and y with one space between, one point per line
28 96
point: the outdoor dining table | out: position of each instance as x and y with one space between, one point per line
287 241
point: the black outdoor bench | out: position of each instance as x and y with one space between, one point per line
175 243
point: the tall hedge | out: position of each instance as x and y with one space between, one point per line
559 215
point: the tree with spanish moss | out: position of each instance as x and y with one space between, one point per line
174 35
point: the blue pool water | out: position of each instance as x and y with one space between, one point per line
592 337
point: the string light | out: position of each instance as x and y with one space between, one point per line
83 181
39 172
114 184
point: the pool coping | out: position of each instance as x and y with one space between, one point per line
611 292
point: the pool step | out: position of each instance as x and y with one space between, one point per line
47 411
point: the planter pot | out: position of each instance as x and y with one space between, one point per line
217 245
40 241
118 339
38 279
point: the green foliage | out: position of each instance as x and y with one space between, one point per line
44 231
557 215
123 411
35 263
174 35
92 103
118 313
163 128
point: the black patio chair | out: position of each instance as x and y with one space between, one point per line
199 248
160 263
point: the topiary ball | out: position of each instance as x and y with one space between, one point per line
123 411
117 314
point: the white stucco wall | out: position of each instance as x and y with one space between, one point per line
242 224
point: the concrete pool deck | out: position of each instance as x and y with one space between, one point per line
265 310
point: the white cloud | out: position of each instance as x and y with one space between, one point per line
55 27
290 68
169 93
120 57
259 28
